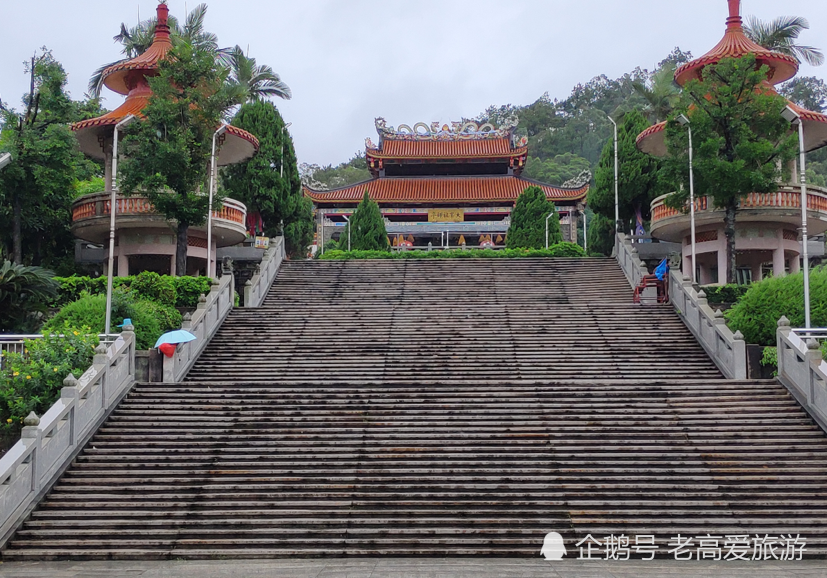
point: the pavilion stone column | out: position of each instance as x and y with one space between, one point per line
795 263
778 269
756 271
107 167
722 261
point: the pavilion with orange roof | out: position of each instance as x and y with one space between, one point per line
144 239
767 227
444 185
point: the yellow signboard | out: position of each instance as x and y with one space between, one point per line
446 215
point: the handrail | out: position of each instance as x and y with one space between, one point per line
629 261
255 289
210 313
97 205
803 371
49 444
727 349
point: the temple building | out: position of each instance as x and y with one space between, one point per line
144 239
767 226
444 186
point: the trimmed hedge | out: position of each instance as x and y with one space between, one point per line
183 291
725 293
558 250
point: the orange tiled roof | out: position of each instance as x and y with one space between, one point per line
735 44
133 104
114 77
654 129
429 149
434 190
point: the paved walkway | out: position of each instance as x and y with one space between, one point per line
412 568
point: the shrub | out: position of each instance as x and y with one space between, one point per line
149 318
32 382
725 293
188 289
757 313
369 231
150 285
558 250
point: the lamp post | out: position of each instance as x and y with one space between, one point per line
547 218
794 118
5 159
281 162
346 218
585 233
684 121
113 205
221 130
617 201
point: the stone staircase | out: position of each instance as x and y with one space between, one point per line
438 408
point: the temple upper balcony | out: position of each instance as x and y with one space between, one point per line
144 238
766 232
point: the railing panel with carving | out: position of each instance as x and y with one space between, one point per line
787 197
48 444
98 205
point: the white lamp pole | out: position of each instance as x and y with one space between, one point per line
547 218
617 201
221 130
585 232
685 122
113 204
281 162
793 117
348 231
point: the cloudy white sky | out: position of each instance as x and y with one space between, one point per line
348 61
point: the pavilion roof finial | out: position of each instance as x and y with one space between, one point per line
734 20
162 23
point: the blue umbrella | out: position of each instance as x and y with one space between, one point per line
175 337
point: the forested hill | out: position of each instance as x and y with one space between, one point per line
567 136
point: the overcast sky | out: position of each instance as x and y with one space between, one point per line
348 61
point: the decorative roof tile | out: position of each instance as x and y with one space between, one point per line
434 190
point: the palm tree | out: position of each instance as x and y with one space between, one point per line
661 94
253 81
780 35
137 39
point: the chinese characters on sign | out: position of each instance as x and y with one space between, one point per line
709 547
446 215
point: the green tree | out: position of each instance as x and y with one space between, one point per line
269 183
661 93
601 235
169 151
556 170
638 182
528 221
25 292
780 35
368 227
37 188
298 233
807 91
325 178
254 81
741 141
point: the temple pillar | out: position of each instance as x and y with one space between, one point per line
795 263
778 262
172 265
722 263
107 168
756 271
122 268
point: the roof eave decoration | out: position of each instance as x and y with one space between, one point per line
441 190
735 44
466 130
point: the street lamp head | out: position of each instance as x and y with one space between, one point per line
221 130
790 115
5 159
682 119
125 120
288 125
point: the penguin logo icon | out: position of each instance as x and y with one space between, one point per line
553 547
